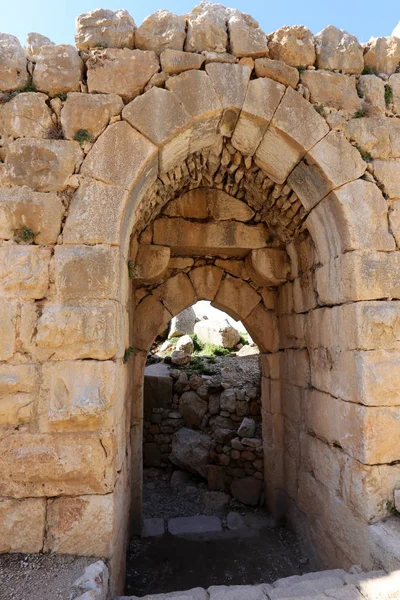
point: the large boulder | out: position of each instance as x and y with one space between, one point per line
192 408
185 344
160 31
220 333
183 324
190 450
34 44
105 28
13 72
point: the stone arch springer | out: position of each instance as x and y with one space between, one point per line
264 144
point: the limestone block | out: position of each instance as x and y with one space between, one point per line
13 66
208 203
8 319
169 131
162 30
291 331
263 328
246 38
302 255
121 71
42 213
192 408
34 44
24 271
58 70
206 281
378 136
293 45
73 331
234 267
44 165
183 324
338 50
236 297
70 522
359 325
86 272
359 276
383 54
206 28
332 89
229 237
353 217
25 115
18 392
277 70
176 293
324 461
394 82
230 83
387 173
106 28
39 465
262 99
394 219
190 450
294 367
295 128
369 378
331 163
151 262
367 488
368 434
149 319
121 156
304 297
372 89
22 525
77 395
95 214
268 266
89 112
174 62
194 89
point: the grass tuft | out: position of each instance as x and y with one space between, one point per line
23 235
82 136
367 156
388 95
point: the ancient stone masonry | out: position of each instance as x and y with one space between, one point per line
195 157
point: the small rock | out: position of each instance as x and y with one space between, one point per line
235 522
180 358
247 428
185 344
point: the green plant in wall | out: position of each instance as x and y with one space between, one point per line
390 507
367 156
132 269
129 352
24 235
82 136
388 95
359 113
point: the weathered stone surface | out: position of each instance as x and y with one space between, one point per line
206 28
58 70
120 156
44 165
8 318
190 451
331 163
372 90
387 173
332 89
221 333
34 44
178 357
170 131
247 490
394 82
73 331
229 237
25 115
268 266
195 91
22 525
233 592
160 31
149 319
379 137
105 28
24 271
230 83
94 579
246 38
236 297
151 262
70 521
185 344
196 525
86 272
38 465
174 62
247 428
262 99
337 50
206 203
13 71
121 71
353 217
89 112
295 128
383 54
18 392
394 219
176 293
277 70
293 45
41 213
206 281
263 328
192 408
183 323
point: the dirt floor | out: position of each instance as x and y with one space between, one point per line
39 576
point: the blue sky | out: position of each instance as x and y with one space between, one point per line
56 18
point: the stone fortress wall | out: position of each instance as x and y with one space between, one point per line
199 138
